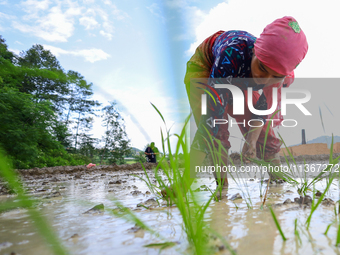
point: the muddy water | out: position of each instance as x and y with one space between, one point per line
64 199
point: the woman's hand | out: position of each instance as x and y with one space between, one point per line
170 190
249 147
249 150
165 192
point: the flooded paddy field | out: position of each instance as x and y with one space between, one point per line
65 198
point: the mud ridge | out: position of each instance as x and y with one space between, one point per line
82 169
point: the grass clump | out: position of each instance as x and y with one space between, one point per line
176 189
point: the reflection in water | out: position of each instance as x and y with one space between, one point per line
249 231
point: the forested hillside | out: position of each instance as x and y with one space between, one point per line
46 114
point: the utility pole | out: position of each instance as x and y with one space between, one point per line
303 136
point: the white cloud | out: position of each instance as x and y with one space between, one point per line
90 12
55 20
192 18
90 55
31 5
4 2
107 35
16 51
51 24
73 10
88 22
6 16
118 14
107 25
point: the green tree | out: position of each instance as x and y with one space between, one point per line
83 107
34 93
87 144
4 52
52 88
25 128
116 142
140 157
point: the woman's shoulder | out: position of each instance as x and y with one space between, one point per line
240 40
236 35
232 54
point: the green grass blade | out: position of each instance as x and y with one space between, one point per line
158 112
277 224
160 245
328 227
338 236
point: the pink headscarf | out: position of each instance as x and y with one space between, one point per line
281 47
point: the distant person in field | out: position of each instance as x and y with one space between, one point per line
268 61
151 152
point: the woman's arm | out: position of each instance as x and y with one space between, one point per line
249 148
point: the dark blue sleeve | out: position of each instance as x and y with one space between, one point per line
225 67
229 62
232 59
261 104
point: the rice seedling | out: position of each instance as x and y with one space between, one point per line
277 224
315 206
220 156
148 182
338 236
328 169
296 232
177 190
213 194
328 227
335 221
181 193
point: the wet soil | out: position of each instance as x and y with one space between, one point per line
78 202
82 169
65 173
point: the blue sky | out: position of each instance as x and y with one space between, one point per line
135 52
